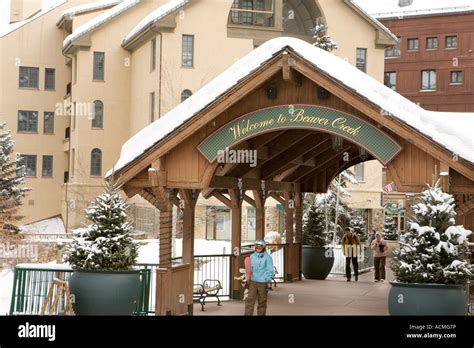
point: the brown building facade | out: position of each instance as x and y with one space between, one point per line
434 63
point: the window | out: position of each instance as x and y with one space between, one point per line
96 162
153 54
29 77
413 44
99 66
47 165
187 58
48 124
145 219
393 51
428 80
73 161
152 106
218 223
185 95
456 77
359 171
390 80
27 165
246 17
451 41
74 72
27 121
431 43
50 79
98 116
361 59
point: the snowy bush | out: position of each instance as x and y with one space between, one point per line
434 249
389 230
107 243
322 40
314 229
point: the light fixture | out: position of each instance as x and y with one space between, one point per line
363 154
336 142
272 92
323 93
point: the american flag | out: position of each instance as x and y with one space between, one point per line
389 188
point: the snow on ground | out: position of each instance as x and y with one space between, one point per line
459 139
6 286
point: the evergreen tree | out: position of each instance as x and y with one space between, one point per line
322 40
107 243
389 230
434 249
314 229
357 224
11 177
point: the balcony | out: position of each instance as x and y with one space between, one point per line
255 18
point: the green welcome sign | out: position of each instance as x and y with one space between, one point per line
301 116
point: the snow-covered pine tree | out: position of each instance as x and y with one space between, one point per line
389 230
107 243
322 40
434 249
11 177
357 224
314 229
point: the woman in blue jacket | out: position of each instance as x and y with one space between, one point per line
261 273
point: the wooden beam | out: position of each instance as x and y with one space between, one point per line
236 241
373 111
289 74
208 175
289 220
259 214
225 182
207 193
444 176
462 189
278 198
249 200
222 198
224 102
131 191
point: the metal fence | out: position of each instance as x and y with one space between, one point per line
31 283
365 260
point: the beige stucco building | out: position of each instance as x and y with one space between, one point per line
106 69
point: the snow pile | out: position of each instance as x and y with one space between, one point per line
53 226
6 286
390 8
155 16
456 139
89 7
99 20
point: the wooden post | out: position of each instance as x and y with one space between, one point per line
236 206
444 176
298 226
189 199
289 209
166 225
259 214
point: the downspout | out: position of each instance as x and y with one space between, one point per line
160 70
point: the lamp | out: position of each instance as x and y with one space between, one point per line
323 93
363 154
272 92
336 142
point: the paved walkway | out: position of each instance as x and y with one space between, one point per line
333 296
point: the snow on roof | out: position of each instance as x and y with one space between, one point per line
390 8
14 26
99 20
155 16
89 7
437 125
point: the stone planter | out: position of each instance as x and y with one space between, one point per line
105 292
427 299
317 262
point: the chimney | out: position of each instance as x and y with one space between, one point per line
23 9
403 3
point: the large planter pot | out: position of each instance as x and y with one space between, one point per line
105 292
427 299
317 262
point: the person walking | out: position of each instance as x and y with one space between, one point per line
351 250
261 272
380 248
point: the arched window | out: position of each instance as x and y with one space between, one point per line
300 17
185 95
96 162
98 115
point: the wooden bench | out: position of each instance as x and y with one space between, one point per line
209 288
